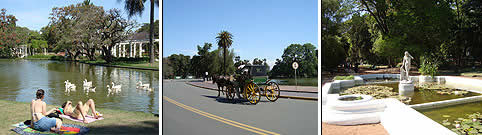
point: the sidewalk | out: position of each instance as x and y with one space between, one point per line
301 92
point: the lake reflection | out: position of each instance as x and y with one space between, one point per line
19 80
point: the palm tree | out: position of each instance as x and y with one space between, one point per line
224 41
137 7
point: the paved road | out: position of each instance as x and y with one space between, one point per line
191 110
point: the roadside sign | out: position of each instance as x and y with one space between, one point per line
295 65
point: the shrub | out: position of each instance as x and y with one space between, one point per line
40 56
61 58
429 66
351 77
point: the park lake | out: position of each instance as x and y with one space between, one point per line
21 79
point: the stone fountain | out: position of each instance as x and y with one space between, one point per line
406 86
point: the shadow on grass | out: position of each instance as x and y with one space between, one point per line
197 81
140 128
222 99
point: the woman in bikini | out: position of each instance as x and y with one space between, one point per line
80 110
39 120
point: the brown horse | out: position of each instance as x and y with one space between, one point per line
219 80
223 82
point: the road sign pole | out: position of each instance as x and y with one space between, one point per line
296 82
295 66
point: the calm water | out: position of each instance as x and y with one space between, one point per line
20 79
426 96
455 111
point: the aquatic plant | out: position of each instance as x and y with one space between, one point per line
440 89
352 98
350 77
467 126
377 92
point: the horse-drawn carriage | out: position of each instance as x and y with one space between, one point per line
250 82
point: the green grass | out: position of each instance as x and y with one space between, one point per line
351 77
155 65
301 81
40 57
115 121
126 63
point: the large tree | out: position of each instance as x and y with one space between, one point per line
180 64
305 55
137 7
113 29
84 28
225 40
62 22
8 34
146 27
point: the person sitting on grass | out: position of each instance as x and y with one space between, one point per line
39 120
80 110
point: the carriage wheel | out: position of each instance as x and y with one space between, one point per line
272 91
251 92
230 93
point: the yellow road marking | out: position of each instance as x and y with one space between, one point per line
227 121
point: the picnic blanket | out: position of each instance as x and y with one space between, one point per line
69 129
87 117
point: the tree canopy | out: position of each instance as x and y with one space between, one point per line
379 31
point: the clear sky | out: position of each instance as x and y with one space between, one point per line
34 14
260 28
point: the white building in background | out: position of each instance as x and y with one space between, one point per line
20 51
134 47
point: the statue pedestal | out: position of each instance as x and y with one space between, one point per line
405 88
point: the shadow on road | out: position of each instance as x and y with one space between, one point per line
222 99
196 81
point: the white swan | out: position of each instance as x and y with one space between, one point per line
116 88
87 84
92 89
69 86
109 90
143 86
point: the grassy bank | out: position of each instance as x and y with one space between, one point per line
115 121
301 81
126 62
119 62
44 57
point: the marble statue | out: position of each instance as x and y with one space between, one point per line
405 68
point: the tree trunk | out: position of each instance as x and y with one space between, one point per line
107 52
77 55
224 62
151 34
91 54
70 54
